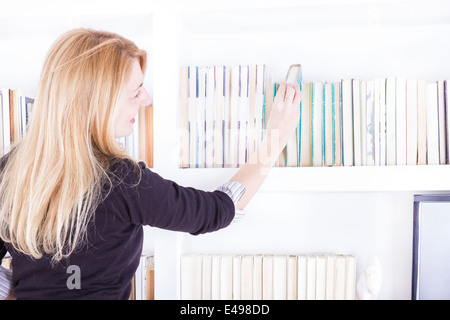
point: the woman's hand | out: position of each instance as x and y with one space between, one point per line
284 117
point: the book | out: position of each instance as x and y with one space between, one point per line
401 120
370 123
432 124
421 123
247 277
219 120
214 283
267 277
305 123
441 120
317 125
226 277
391 131
347 122
210 106
280 277
184 119
382 108
328 124
357 144
337 123
411 115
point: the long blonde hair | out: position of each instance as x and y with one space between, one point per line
54 178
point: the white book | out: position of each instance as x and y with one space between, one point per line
184 117
305 141
339 277
291 278
411 128
301 277
259 104
216 271
363 102
432 125
401 120
210 107
317 124
421 123
234 116
237 277
391 145
247 277
328 121
267 277
251 121
257 277
382 122
447 103
370 123
4 94
219 120
279 277
329 290
350 278
192 116
191 277
227 119
356 92
207 275
337 124
243 116
347 122
310 277
226 277
376 112
321 272
201 108
441 117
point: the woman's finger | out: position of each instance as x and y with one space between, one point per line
290 93
298 95
281 93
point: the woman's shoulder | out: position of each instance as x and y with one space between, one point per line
126 170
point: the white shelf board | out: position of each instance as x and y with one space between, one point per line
423 178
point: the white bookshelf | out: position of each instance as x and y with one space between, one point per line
352 210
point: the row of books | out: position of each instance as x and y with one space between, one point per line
221 114
268 277
15 108
385 121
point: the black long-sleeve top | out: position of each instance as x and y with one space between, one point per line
107 263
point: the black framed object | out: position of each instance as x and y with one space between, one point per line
431 248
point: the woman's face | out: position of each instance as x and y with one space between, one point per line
134 97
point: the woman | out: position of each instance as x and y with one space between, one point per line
73 204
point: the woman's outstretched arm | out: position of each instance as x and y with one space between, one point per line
281 125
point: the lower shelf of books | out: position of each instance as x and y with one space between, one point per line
268 277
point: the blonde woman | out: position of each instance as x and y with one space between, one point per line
73 204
